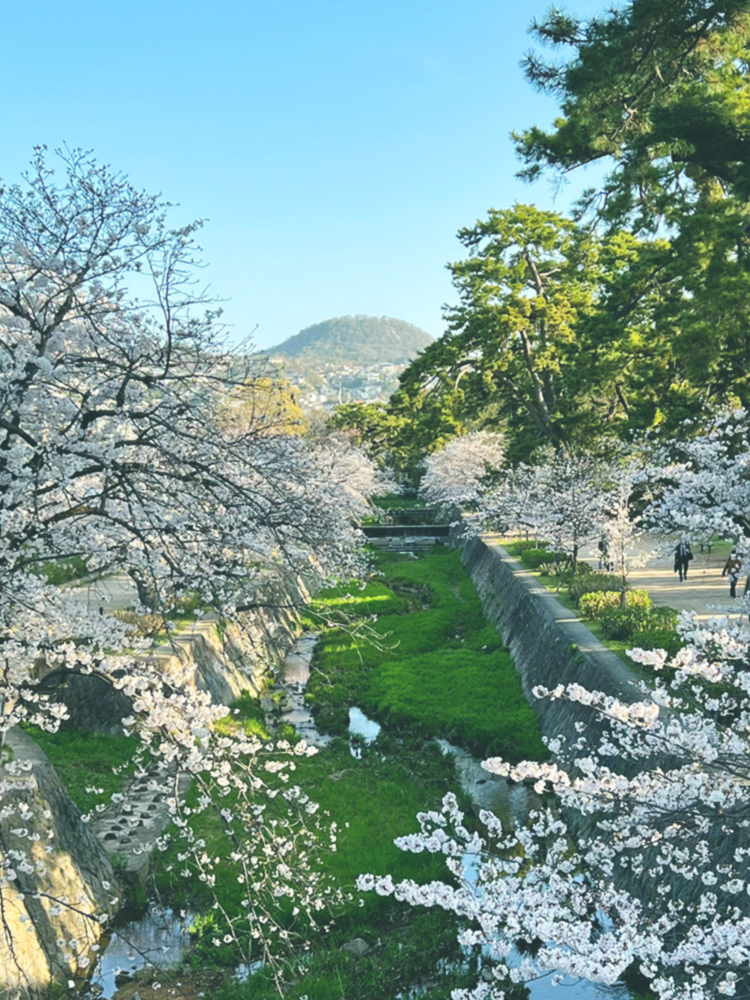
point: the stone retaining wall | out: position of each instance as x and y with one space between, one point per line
36 933
224 660
548 646
63 879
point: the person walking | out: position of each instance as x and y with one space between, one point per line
732 568
682 556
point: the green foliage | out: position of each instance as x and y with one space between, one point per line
357 339
440 669
518 548
357 599
371 799
593 604
659 638
659 89
625 623
561 570
535 558
92 766
60 571
420 948
592 583
385 436
397 501
683 68
515 347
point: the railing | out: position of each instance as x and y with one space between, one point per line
406 530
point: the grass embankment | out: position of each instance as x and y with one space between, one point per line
92 766
437 666
437 669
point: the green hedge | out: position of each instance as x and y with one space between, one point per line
624 623
660 638
60 571
534 558
518 548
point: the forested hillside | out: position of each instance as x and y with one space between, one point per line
361 339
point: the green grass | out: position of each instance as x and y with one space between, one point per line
60 571
85 761
403 958
372 799
435 666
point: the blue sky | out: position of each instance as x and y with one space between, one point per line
334 148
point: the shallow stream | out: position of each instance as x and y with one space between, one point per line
157 938
160 937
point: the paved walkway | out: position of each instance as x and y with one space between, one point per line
116 592
705 592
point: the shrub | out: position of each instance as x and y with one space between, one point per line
624 623
145 625
61 571
591 583
521 547
534 558
561 570
660 638
593 604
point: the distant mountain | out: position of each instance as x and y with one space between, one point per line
358 339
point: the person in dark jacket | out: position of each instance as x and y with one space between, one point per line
682 556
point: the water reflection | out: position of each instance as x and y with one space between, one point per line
361 726
158 939
295 673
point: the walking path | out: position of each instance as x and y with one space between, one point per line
115 592
705 592
574 629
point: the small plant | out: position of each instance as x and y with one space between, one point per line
145 625
60 571
660 638
592 605
561 570
520 547
535 558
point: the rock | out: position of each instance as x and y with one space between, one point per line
356 948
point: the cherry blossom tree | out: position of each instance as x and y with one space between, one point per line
115 448
705 489
563 500
643 860
625 539
639 858
454 475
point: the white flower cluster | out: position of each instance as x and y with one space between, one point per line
118 449
455 475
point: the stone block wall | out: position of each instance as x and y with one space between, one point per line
61 882
548 646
